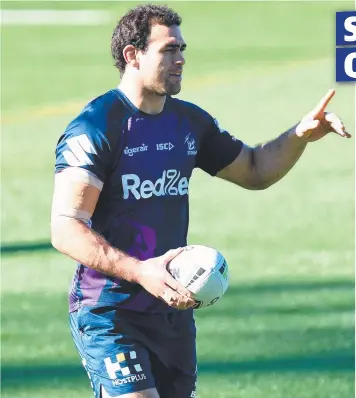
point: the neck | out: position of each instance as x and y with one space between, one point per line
144 100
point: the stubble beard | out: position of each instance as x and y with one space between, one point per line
174 89
166 88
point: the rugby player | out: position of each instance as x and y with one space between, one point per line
120 207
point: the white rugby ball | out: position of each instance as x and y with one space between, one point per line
202 270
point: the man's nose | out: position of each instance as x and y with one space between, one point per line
181 59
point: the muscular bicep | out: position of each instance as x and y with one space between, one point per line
242 170
76 193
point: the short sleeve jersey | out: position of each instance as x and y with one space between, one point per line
143 163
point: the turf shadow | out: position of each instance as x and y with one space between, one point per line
32 377
13 248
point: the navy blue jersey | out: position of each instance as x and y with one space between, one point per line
143 164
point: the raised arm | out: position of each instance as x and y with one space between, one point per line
261 166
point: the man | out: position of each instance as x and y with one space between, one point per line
120 208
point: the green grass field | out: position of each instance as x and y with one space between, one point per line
285 327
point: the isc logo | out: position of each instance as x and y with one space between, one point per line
346 46
164 146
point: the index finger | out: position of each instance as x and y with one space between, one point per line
323 103
171 254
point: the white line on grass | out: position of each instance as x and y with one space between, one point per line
54 17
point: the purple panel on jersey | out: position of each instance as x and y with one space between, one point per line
91 284
73 296
143 245
145 242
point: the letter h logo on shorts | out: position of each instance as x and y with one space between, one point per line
346 46
121 365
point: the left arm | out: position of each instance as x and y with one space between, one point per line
263 165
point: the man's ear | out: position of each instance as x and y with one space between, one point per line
130 54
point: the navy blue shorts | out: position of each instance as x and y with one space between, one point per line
125 351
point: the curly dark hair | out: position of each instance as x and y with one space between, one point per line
135 27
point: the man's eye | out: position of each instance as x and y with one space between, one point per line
174 49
